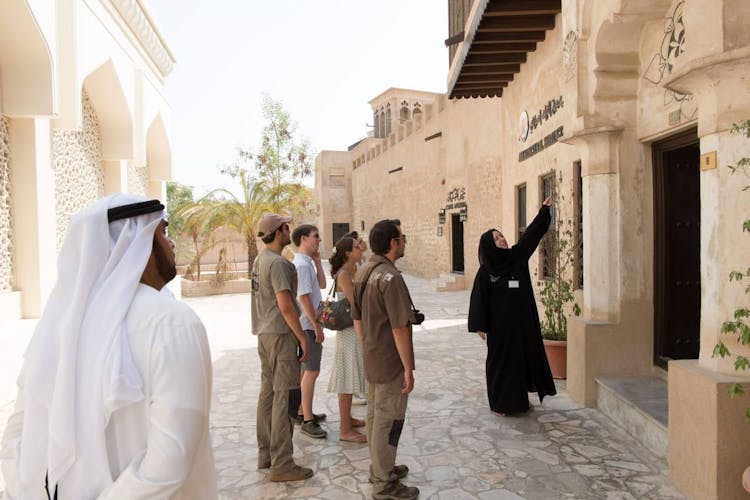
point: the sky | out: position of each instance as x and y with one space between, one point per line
323 59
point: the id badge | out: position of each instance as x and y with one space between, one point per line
513 283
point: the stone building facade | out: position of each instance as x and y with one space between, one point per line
82 115
631 103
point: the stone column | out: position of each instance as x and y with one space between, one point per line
614 319
709 442
34 230
115 176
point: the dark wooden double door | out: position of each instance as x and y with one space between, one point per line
677 229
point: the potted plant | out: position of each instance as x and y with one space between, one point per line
557 285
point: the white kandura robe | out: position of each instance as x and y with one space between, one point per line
159 447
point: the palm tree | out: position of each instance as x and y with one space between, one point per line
240 214
199 224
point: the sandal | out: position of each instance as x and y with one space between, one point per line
356 422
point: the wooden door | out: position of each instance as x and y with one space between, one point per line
457 243
677 274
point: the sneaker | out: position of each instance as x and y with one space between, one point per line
396 490
296 473
400 471
300 419
313 429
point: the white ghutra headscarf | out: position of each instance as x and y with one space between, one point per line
79 368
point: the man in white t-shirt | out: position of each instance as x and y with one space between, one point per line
310 279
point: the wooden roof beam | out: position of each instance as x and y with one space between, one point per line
480 86
491 69
522 7
499 48
483 59
509 36
517 23
487 78
473 93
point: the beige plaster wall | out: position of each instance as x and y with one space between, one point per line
464 156
333 193
709 443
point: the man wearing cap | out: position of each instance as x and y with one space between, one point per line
282 345
115 392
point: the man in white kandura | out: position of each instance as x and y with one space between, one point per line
115 391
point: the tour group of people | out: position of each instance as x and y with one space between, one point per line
115 392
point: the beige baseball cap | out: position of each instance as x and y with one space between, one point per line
270 223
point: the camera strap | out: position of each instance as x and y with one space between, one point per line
364 285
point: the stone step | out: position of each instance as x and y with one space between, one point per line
449 282
639 406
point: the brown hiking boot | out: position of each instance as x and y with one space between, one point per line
296 473
396 490
400 471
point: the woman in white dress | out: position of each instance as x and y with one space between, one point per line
347 376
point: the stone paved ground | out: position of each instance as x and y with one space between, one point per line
454 446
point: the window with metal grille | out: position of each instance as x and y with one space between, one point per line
520 210
578 264
548 243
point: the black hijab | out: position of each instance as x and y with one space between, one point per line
495 260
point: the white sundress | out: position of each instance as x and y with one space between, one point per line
348 373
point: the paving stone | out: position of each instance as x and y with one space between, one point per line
454 445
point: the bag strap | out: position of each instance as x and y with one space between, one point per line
333 288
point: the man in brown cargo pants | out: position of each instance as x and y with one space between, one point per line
383 317
275 320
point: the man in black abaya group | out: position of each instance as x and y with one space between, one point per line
503 311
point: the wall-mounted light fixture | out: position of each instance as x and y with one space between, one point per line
462 215
441 216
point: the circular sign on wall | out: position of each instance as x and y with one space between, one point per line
523 126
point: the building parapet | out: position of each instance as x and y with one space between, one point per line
143 26
371 147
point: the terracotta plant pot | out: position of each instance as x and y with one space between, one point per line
557 355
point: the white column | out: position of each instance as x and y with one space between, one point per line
33 212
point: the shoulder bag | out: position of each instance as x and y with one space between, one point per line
334 314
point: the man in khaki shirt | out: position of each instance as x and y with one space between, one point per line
383 317
275 320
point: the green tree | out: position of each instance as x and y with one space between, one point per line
739 325
283 161
179 197
200 224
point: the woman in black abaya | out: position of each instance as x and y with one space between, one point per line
503 310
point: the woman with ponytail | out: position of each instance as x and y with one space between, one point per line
347 376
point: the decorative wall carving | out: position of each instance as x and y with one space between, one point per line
6 224
138 180
570 55
79 178
662 63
